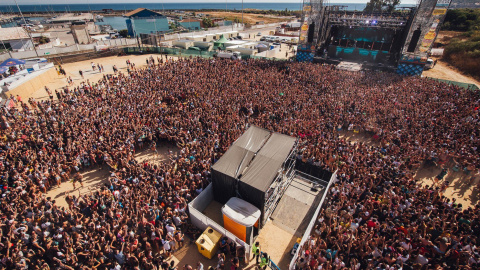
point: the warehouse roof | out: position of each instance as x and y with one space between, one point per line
142 12
13 33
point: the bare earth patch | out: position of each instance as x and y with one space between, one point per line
94 178
444 71
464 188
250 18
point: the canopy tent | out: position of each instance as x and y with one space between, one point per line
250 165
3 70
220 42
261 45
12 62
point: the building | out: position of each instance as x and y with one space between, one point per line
145 21
191 24
15 39
80 33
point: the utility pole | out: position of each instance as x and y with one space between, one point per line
242 13
25 22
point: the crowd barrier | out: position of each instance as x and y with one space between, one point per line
309 229
313 170
201 221
469 86
184 52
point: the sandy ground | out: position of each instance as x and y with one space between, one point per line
72 70
94 178
464 188
250 18
273 240
443 70
358 138
277 243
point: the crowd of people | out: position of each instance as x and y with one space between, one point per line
377 215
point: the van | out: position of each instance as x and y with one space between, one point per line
430 64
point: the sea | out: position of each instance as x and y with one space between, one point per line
168 6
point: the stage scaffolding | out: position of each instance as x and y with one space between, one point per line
367 21
280 184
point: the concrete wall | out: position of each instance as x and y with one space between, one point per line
32 82
201 221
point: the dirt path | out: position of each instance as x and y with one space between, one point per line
444 71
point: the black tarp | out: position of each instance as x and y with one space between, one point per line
233 163
253 161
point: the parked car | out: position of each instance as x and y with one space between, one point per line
430 64
259 34
277 43
263 38
283 40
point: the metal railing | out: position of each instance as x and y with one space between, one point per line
309 229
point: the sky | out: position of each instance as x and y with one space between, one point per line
53 2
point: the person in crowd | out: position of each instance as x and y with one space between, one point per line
376 214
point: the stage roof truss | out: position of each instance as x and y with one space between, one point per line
371 22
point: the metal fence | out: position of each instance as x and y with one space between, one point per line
76 48
309 229
186 53
469 86
167 50
201 221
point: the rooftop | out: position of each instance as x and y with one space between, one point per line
73 17
138 10
12 33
